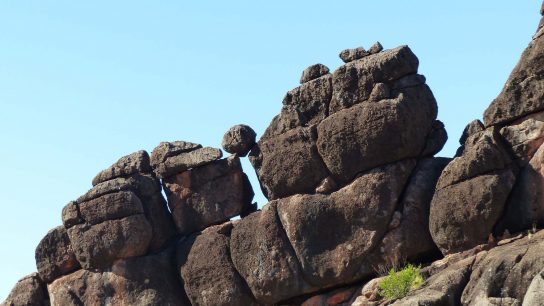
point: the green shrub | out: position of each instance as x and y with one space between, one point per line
397 284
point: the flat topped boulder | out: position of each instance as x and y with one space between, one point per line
350 55
168 149
54 255
186 160
126 165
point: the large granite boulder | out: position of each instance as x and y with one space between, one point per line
471 193
239 140
209 276
147 280
54 255
29 291
208 195
331 235
264 257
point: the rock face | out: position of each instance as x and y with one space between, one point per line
54 255
148 280
354 191
30 290
208 195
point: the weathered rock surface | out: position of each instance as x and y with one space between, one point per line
313 72
54 255
353 82
239 140
535 293
126 165
289 163
329 245
169 149
523 93
368 135
99 245
208 195
29 291
185 161
375 48
506 272
350 55
264 257
147 280
207 271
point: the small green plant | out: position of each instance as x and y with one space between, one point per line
397 284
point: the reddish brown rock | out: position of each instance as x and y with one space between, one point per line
99 245
330 246
368 135
353 82
126 165
263 255
288 164
208 195
169 149
147 280
207 271
350 55
313 72
54 255
239 140
185 161
29 291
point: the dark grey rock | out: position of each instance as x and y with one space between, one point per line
29 291
350 55
473 127
379 92
313 72
54 255
376 48
239 140
126 165
169 149
184 161
436 139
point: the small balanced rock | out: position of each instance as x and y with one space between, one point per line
376 48
313 72
350 55
239 140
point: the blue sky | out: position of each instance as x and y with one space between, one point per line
82 84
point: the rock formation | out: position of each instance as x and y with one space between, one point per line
354 189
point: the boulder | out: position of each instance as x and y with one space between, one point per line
263 255
126 165
375 48
535 293
169 149
185 161
207 271
54 255
331 235
523 93
288 164
313 72
99 245
239 140
29 291
354 81
368 135
208 195
436 139
464 214
505 272
350 55
147 280
303 106
473 127
147 188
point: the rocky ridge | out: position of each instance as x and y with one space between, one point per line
353 186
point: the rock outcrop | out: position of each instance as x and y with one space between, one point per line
354 189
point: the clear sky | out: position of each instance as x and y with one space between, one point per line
83 83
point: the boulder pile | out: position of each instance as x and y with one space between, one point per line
354 189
